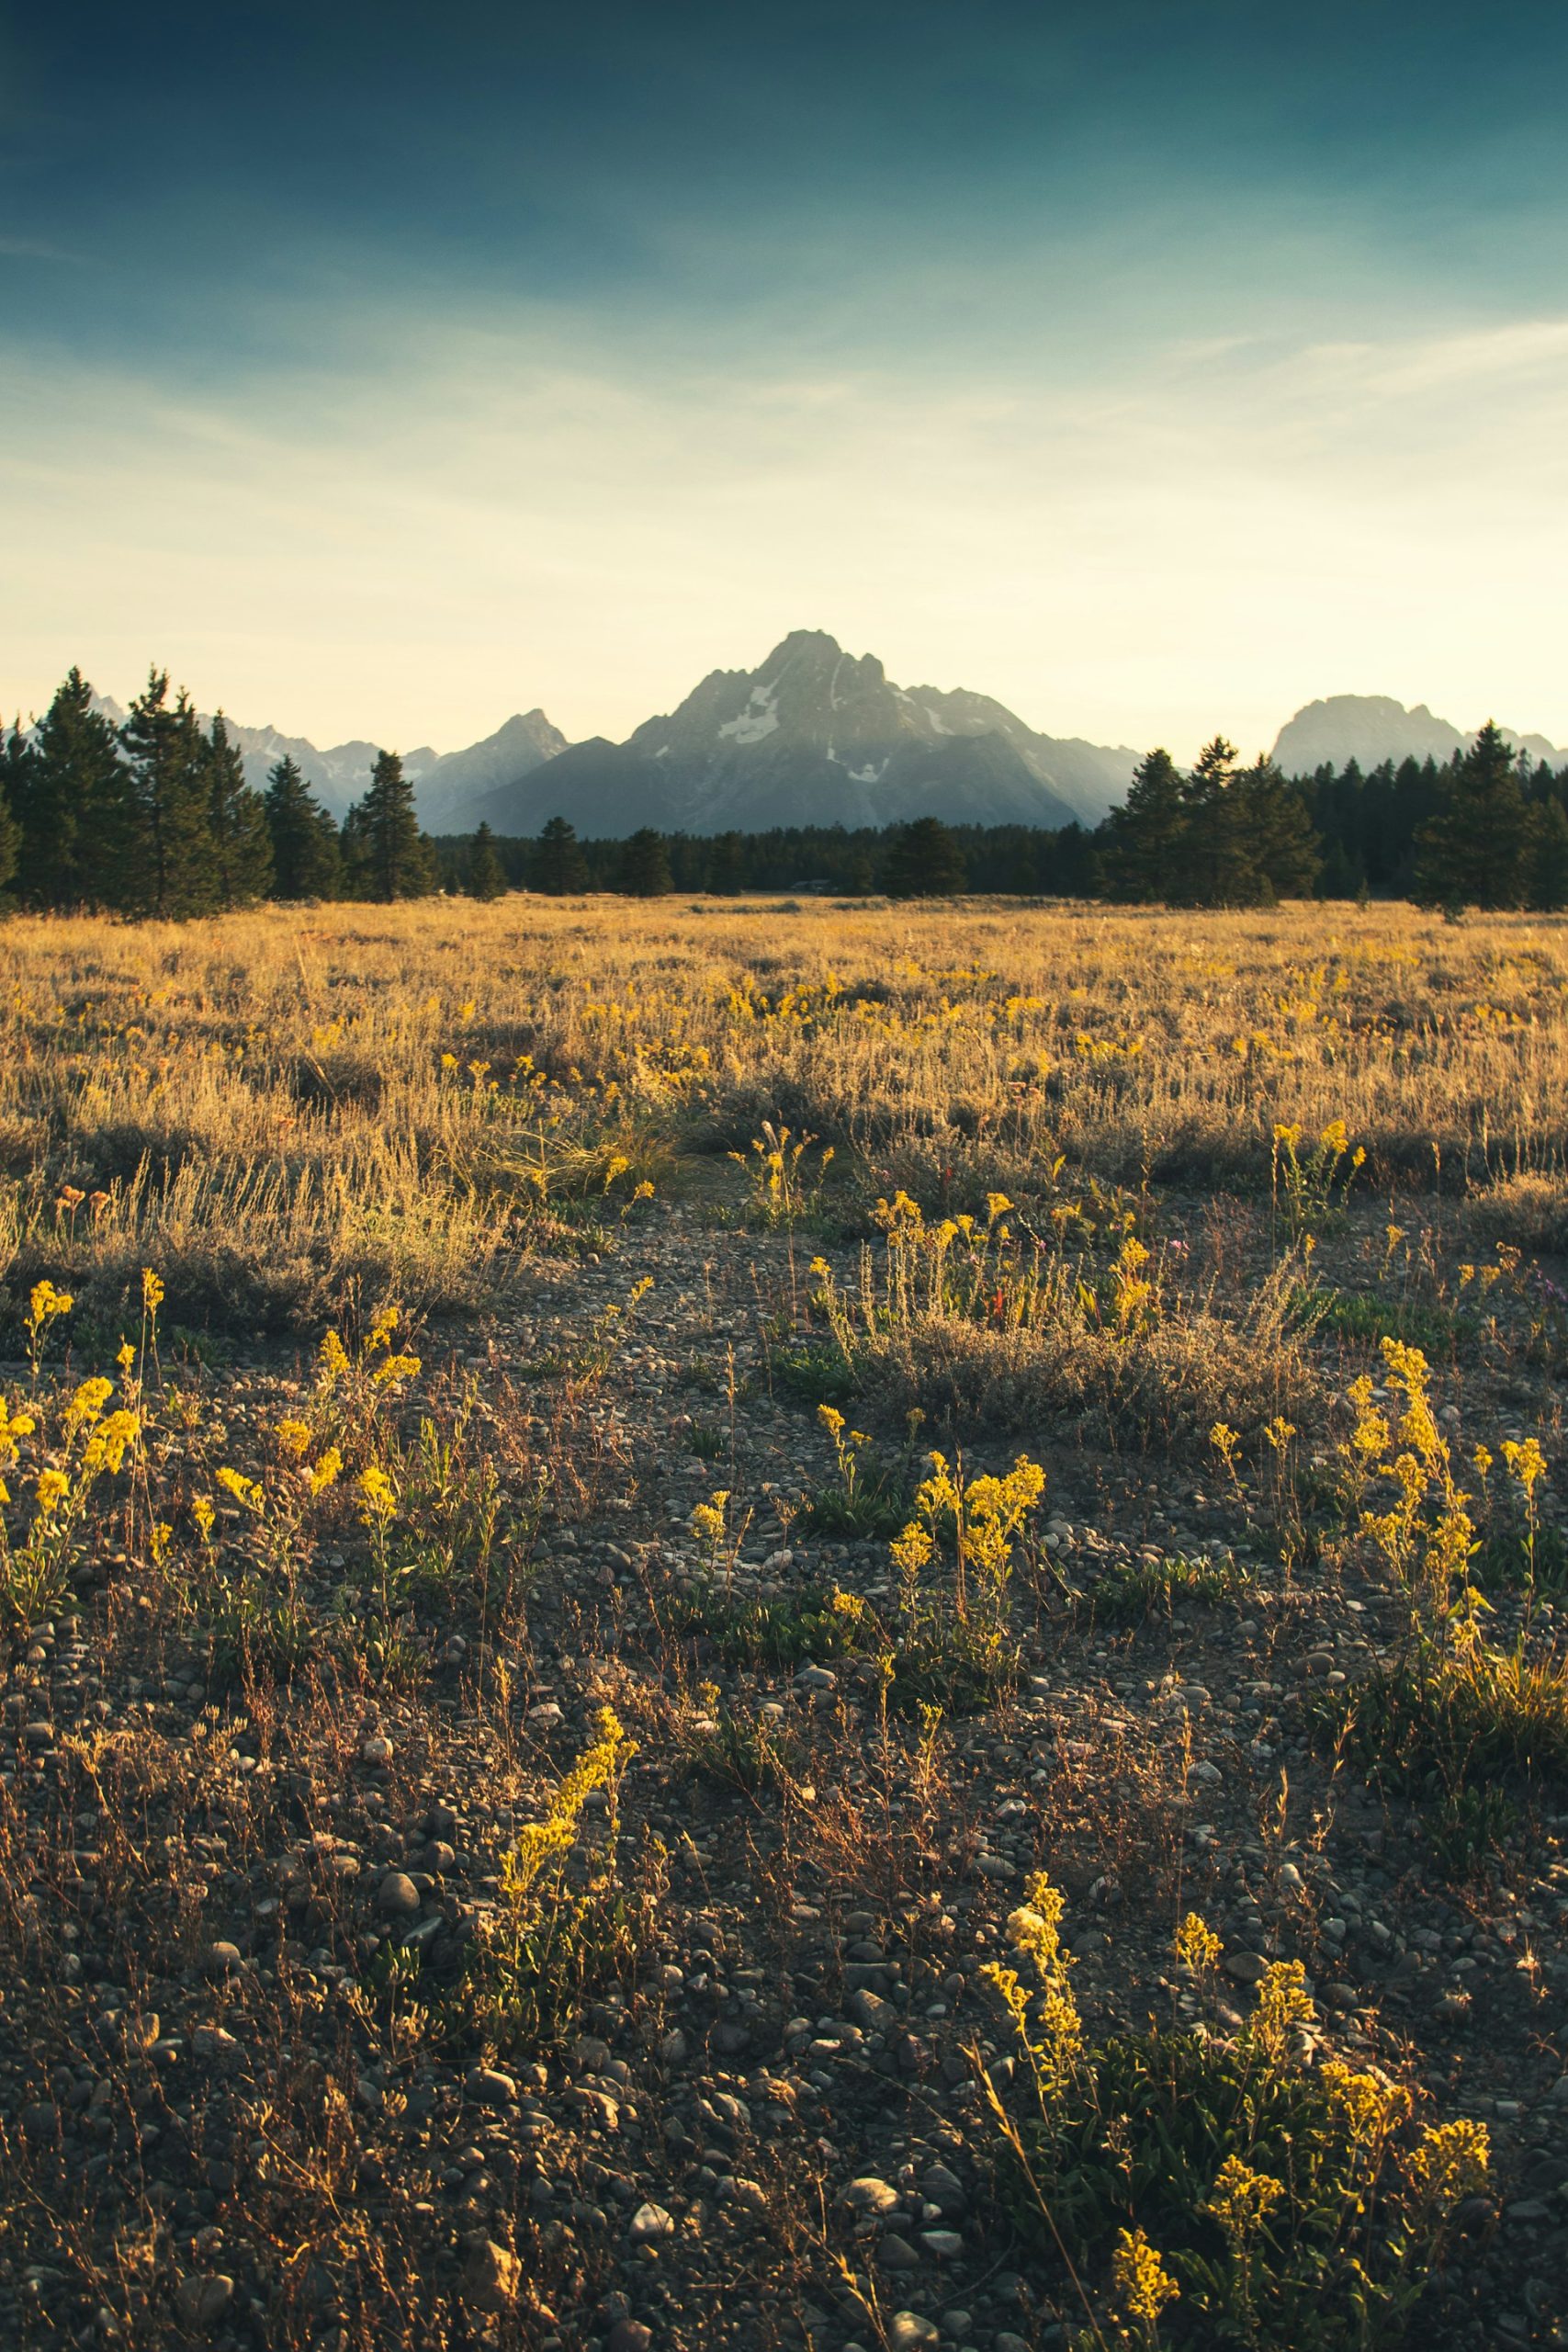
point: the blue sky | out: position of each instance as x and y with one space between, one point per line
1153 366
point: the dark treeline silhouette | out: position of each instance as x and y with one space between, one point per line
153 817
1489 829
926 859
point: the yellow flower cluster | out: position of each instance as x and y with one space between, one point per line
1449 2161
1143 2286
598 1768
707 1519
12 1427
1371 2106
378 1499
1197 1946
1283 2004
1241 2201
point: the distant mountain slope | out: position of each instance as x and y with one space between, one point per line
446 786
451 792
815 736
337 776
1370 729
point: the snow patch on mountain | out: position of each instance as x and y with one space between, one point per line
760 717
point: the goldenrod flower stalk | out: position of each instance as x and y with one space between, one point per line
1449 2161
1143 2286
1197 1946
1283 2004
1241 2201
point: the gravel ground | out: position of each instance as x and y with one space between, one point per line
227 2124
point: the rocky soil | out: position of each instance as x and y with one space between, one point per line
236 1921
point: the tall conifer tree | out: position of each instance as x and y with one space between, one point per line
486 879
1281 847
392 852
306 860
168 757
1212 866
1473 851
644 870
557 865
15 754
75 807
1147 831
923 861
1546 862
241 845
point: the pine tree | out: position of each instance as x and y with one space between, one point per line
1547 858
71 803
558 867
644 868
15 755
1472 853
1147 830
726 864
236 816
923 861
486 879
1280 845
397 861
305 859
1212 866
171 792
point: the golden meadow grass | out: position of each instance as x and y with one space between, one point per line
310 1636
279 1102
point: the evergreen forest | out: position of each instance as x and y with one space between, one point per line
153 817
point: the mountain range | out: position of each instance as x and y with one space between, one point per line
1370 728
813 736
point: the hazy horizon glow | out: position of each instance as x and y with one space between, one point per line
1146 368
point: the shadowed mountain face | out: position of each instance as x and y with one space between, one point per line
1370 728
815 736
445 786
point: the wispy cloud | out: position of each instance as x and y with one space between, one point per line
1208 539
36 249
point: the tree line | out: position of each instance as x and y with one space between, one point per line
1489 829
155 817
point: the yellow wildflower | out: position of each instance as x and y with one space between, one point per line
707 1519
1242 2199
1449 2161
911 1551
1371 2104
1196 1943
105 1449
326 1470
1284 2002
378 1496
51 1491
88 1402
1143 2286
1527 1462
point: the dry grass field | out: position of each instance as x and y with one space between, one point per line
781 1624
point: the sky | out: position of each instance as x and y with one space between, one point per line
1155 366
